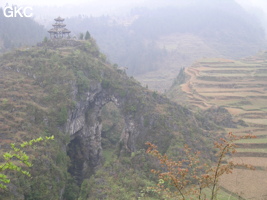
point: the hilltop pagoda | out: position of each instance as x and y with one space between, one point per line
59 31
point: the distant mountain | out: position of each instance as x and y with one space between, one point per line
161 41
222 22
19 31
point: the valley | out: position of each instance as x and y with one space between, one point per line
240 86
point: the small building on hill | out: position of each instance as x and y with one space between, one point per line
59 31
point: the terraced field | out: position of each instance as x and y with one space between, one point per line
240 87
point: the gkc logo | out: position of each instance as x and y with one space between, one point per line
14 11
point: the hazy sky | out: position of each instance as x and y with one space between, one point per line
89 7
256 3
117 2
70 2
99 7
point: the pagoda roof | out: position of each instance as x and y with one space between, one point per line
59 25
66 31
53 30
59 19
58 30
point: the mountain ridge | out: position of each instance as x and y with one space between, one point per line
60 88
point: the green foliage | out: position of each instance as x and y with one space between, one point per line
83 82
71 190
16 157
45 40
81 36
36 97
47 177
120 178
45 83
62 115
123 93
4 101
105 84
87 35
155 94
85 188
130 108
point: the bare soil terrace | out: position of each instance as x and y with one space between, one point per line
241 88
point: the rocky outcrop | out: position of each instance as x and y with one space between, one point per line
84 125
142 122
63 91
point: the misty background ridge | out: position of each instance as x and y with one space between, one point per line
149 41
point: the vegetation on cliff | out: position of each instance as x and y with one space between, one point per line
58 86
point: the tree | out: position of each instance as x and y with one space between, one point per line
45 40
188 177
16 158
7 42
87 36
81 36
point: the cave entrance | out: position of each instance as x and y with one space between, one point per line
105 126
77 152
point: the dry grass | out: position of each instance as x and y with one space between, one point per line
257 121
246 183
255 161
235 111
251 150
253 141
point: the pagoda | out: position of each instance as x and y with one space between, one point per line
59 31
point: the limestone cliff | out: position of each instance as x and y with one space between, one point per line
60 88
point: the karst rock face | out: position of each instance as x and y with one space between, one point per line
84 125
61 87
55 70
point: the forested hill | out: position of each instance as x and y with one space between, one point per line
19 31
100 118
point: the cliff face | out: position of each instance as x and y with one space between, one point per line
60 88
84 125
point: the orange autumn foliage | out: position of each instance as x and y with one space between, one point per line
187 178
